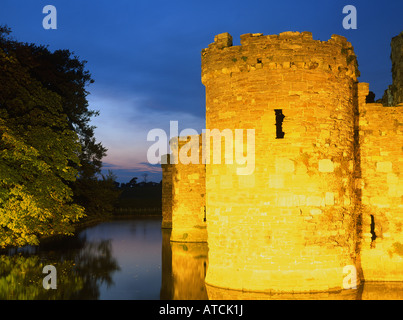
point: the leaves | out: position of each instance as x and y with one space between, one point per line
39 154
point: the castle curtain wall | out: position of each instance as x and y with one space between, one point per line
166 192
188 185
381 149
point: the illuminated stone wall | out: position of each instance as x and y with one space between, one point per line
166 192
326 180
291 225
381 141
188 197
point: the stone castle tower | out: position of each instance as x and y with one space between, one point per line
394 94
326 191
397 68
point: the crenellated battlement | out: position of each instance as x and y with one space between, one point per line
287 51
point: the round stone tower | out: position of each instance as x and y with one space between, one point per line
290 224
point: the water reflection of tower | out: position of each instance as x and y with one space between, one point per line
184 267
189 267
166 266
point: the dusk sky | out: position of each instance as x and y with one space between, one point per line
145 56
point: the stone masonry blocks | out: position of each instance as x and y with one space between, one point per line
325 194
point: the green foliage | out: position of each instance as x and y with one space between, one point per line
65 78
50 160
47 145
98 196
39 155
34 200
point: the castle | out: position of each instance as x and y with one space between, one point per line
327 189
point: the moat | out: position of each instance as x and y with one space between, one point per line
133 259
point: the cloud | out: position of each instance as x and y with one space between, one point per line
151 166
123 125
125 175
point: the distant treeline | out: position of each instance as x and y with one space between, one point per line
142 198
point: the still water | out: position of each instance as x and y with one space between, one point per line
132 259
118 259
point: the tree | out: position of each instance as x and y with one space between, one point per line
63 73
98 196
39 156
132 183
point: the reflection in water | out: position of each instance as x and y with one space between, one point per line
95 265
184 267
123 260
367 291
81 268
383 291
21 278
189 267
166 292
215 293
118 259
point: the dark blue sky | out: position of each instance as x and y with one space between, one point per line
145 55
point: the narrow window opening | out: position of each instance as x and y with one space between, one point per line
279 123
204 219
373 234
